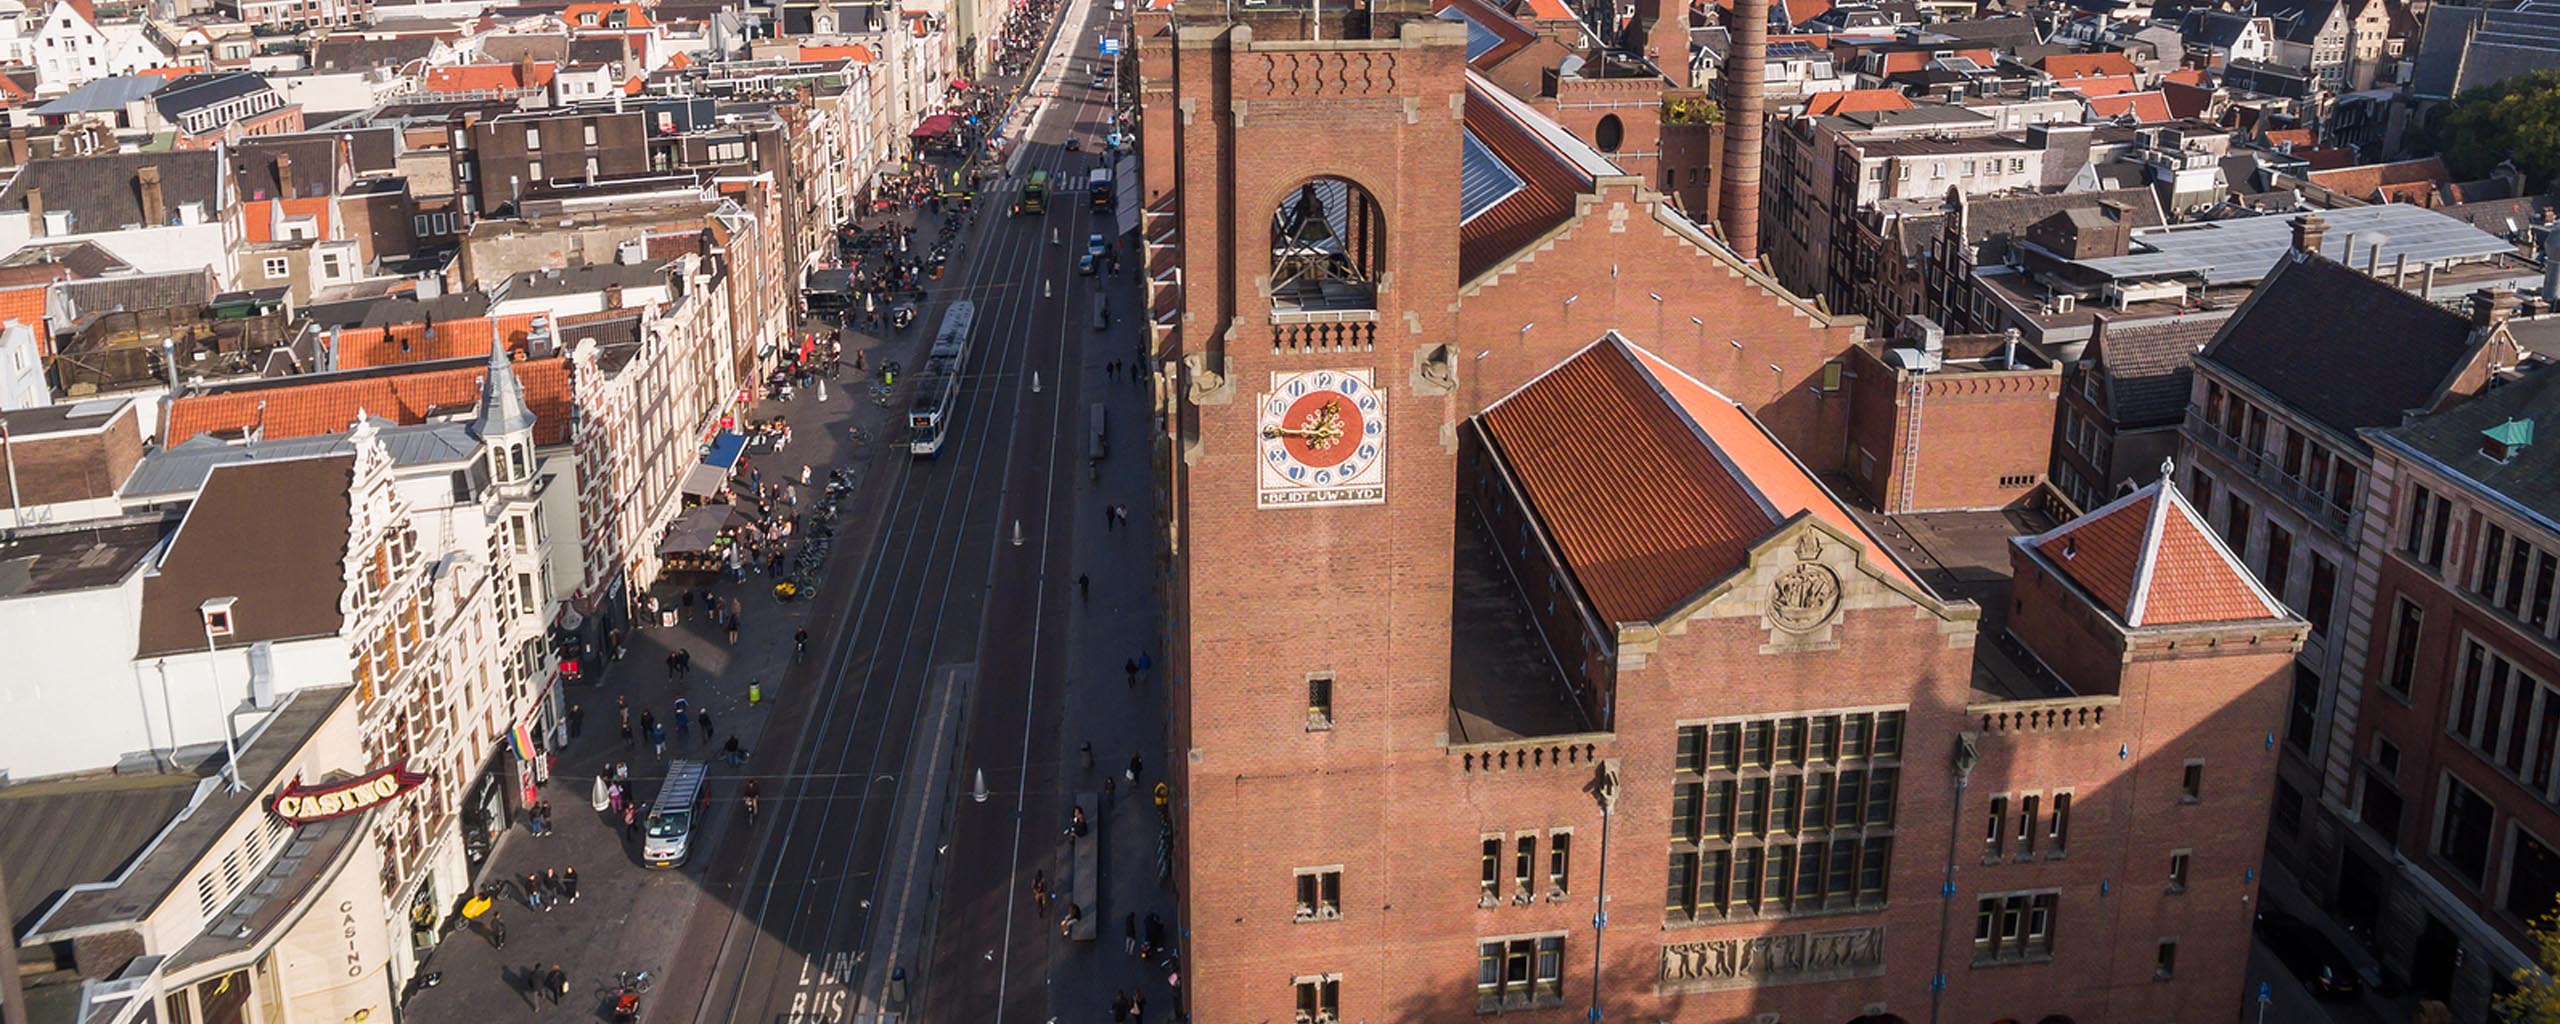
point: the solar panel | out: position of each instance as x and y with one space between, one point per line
2245 248
1483 179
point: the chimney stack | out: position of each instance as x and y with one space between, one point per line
19 150
154 212
1745 87
284 176
2492 306
2308 230
35 212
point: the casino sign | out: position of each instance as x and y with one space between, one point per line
303 805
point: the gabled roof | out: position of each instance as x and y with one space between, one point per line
2149 365
1847 101
489 77
102 191
2088 65
361 347
856 53
2403 181
1552 165
286 407
2530 475
1652 485
2142 107
258 217
2149 560
272 535
2341 348
2099 85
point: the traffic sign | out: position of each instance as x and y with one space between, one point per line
1110 46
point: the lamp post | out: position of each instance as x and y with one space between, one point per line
218 609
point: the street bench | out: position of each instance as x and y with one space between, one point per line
1085 886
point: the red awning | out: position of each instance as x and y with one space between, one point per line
934 127
959 84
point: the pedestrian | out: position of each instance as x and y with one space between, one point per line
1155 935
1077 824
681 716
730 750
658 741
703 719
551 884
577 720
649 720
497 932
547 819
1040 893
1136 765
613 798
675 662
1129 934
1084 586
1138 1007
1067 922
626 727
558 983
733 629
1145 662
532 891
1120 1007
569 883
804 474
630 821
684 662
622 773
1130 666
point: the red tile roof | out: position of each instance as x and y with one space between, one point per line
257 216
1652 485
1853 101
634 15
1913 60
328 403
1549 181
2186 100
1545 10
489 77
856 52
2405 181
2088 65
2148 558
361 347
2185 76
2145 107
2099 85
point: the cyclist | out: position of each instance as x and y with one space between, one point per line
750 799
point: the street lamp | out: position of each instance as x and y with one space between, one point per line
216 614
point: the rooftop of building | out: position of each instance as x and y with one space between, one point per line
2342 349
267 534
430 340
1964 556
553 282
2245 248
141 875
1652 485
62 418
179 472
2494 442
58 833
41 560
325 403
2148 366
2150 560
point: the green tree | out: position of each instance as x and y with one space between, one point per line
2536 999
2517 119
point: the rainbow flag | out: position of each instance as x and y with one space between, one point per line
524 741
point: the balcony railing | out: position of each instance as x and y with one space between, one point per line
2312 503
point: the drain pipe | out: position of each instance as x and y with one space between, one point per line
1966 755
1606 789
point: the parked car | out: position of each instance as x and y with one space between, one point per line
2309 954
1084 264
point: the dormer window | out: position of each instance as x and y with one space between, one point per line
217 617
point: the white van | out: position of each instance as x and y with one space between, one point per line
669 829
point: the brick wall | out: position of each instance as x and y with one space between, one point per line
72 466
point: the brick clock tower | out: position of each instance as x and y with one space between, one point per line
1311 495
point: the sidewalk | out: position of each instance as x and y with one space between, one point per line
629 917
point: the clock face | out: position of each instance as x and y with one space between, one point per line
1321 439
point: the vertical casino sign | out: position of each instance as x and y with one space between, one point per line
1322 440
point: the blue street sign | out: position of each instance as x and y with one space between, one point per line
1110 47
2266 993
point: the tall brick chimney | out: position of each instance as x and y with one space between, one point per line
1745 81
2492 306
35 212
154 212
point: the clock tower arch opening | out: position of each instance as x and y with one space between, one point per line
1328 247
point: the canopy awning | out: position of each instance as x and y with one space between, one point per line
696 529
934 127
958 84
725 450
704 481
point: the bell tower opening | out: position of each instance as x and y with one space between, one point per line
1327 244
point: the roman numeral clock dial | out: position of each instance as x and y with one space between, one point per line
1322 437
